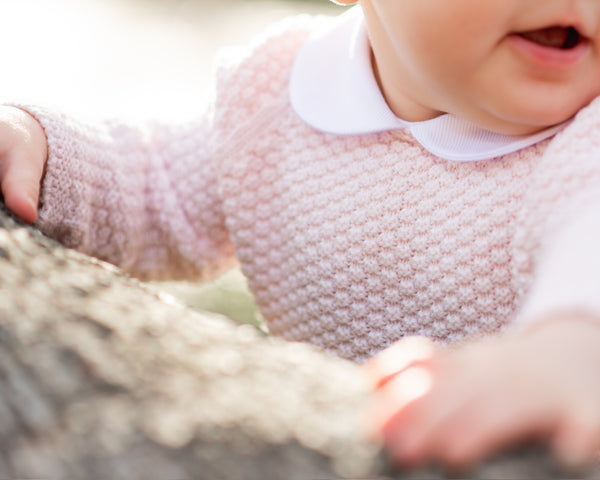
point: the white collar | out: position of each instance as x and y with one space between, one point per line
333 89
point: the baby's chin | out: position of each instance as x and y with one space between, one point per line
527 122
527 115
517 129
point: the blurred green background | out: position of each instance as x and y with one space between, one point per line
127 57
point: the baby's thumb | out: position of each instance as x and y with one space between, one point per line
21 188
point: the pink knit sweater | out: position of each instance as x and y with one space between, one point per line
348 242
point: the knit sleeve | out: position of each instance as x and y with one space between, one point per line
149 198
144 198
560 235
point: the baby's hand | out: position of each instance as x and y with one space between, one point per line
459 406
23 152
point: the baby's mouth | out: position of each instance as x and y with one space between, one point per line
561 38
556 48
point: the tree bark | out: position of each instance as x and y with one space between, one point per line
102 376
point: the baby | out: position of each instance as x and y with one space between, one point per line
422 170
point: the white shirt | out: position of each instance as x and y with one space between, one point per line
334 90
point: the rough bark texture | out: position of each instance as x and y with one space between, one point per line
103 377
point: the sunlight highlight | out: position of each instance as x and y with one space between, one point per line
410 385
399 357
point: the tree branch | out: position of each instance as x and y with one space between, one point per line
103 377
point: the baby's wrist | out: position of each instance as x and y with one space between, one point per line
562 324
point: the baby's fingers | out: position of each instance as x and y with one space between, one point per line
23 153
397 358
21 187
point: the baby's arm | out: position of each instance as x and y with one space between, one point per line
458 406
23 152
141 195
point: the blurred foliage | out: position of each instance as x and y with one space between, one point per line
228 295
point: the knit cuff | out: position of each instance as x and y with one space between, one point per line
568 273
63 184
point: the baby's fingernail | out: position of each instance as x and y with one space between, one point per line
33 207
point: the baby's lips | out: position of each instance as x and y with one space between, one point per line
554 37
549 57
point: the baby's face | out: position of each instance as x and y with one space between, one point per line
513 66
